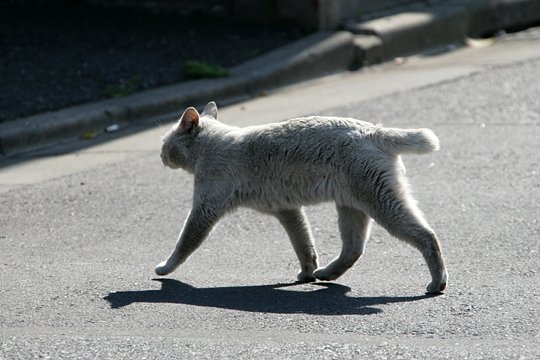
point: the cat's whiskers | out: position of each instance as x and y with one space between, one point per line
159 124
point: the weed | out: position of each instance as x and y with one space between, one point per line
125 88
195 69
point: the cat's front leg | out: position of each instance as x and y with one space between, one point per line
196 228
295 223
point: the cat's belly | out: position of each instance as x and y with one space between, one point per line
272 196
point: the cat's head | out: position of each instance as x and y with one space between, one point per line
177 149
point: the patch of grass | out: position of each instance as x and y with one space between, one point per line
195 69
253 53
125 88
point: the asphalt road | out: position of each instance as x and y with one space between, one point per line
81 232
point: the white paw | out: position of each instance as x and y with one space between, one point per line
304 276
162 269
325 274
436 287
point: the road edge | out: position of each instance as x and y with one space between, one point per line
407 31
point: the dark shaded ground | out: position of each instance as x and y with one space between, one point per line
59 56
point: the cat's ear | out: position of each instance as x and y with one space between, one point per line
210 110
188 121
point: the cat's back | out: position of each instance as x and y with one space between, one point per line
311 143
311 128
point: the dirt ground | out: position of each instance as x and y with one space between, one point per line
58 56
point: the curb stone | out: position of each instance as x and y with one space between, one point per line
316 55
487 17
411 30
417 29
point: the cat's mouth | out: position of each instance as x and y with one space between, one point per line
167 161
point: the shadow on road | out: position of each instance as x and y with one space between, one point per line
329 299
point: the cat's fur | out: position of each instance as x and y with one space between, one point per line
278 168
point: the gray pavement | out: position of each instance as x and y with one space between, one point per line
82 229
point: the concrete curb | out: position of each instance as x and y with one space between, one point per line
415 28
408 31
306 58
490 16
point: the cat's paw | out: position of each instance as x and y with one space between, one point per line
325 274
436 287
305 277
162 269
438 284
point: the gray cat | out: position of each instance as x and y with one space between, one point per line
278 168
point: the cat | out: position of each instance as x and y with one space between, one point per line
278 168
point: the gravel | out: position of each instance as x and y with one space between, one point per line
57 56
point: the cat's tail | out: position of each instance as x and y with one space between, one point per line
399 141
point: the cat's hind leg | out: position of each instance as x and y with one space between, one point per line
354 226
297 227
196 228
401 217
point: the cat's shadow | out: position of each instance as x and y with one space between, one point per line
317 298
